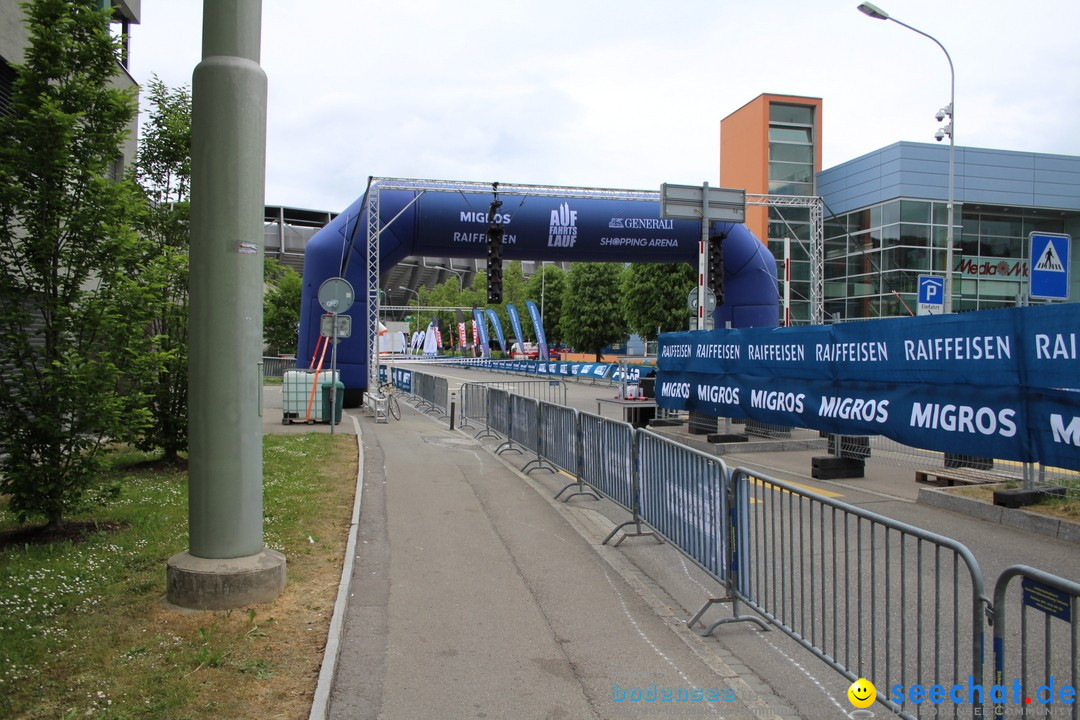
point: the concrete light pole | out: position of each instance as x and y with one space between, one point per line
878 14
227 564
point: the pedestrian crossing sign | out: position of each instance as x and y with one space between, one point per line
1049 279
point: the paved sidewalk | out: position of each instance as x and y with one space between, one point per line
474 595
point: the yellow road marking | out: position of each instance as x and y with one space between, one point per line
811 488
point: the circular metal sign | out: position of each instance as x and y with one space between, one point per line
710 300
336 295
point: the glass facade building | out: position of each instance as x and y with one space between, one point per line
874 256
886 224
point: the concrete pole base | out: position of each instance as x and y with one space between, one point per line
224 584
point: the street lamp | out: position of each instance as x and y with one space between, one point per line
947 111
402 287
456 273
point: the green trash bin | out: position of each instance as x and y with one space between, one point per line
324 414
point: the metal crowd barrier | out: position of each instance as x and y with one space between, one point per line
682 497
275 367
871 596
1043 667
607 459
559 436
473 403
496 414
524 426
431 391
419 386
440 398
474 395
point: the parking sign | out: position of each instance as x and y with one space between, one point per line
931 294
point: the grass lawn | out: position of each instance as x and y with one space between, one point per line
85 632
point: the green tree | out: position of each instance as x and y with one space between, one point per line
515 288
656 297
476 294
72 308
281 310
592 314
546 288
163 171
273 270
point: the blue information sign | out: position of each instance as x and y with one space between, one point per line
1048 599
931 290
1049 266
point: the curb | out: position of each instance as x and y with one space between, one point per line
1020 519
320 703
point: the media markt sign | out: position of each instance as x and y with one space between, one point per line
1049 266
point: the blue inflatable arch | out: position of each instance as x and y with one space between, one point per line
450 219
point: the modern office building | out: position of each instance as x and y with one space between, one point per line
886 212
15 37
886 223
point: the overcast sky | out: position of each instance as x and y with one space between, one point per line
620 93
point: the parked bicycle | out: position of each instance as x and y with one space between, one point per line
386 390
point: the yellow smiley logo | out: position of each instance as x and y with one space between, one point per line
862 693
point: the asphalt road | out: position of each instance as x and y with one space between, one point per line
788 670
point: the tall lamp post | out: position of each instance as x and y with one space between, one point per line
402 287
948 111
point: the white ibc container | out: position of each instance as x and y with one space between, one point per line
296 389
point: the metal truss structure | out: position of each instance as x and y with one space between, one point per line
816 251
420 187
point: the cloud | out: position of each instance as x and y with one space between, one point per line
619 94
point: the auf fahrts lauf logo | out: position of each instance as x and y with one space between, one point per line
563 229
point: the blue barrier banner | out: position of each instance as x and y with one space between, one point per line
481 325
538 328
598 371
497 326
997 383
634 373
515 324
403 380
